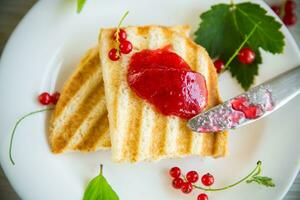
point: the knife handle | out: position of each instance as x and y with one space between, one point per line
284 87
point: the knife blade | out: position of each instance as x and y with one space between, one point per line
250 106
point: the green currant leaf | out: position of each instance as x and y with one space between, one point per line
212 33
99 189
224 28
267 36
80 4
262 180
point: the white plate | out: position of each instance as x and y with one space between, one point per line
44 50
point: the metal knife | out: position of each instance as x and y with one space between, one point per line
250 106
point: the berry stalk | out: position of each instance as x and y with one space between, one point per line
254 172
101 169
240 47
15 128
117 33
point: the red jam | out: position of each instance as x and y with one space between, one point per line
165 80
250 111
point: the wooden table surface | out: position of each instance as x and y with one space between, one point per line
11 12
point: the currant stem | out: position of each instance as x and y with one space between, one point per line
240 47
256 169
282 11
15 128
101 169
122 19
117 32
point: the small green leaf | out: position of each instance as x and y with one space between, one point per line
99 189
80 4
262 180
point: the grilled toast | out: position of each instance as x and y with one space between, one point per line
138 132
79 121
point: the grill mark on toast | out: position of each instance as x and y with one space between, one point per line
131 147
192 54
89 65
184 139
167 34
115 82
148 115
146 129
213 81
134 124
97 109
143 31
214 99
164 129
207 144
221 141
208 139
95 134
138 151
158 138
192 59
220 138
159 133
70 108
68 131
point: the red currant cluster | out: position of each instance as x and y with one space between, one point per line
185 184
45 98
124 46
245 56
286 12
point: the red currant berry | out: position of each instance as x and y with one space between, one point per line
202 196
122 35
289 6
276 9
207 179
186 187
192 176
246 56
113 55
219 65
177 183
175 172
54 98
45 98
289 19
125 47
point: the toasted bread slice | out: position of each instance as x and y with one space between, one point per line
79 121
138 132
